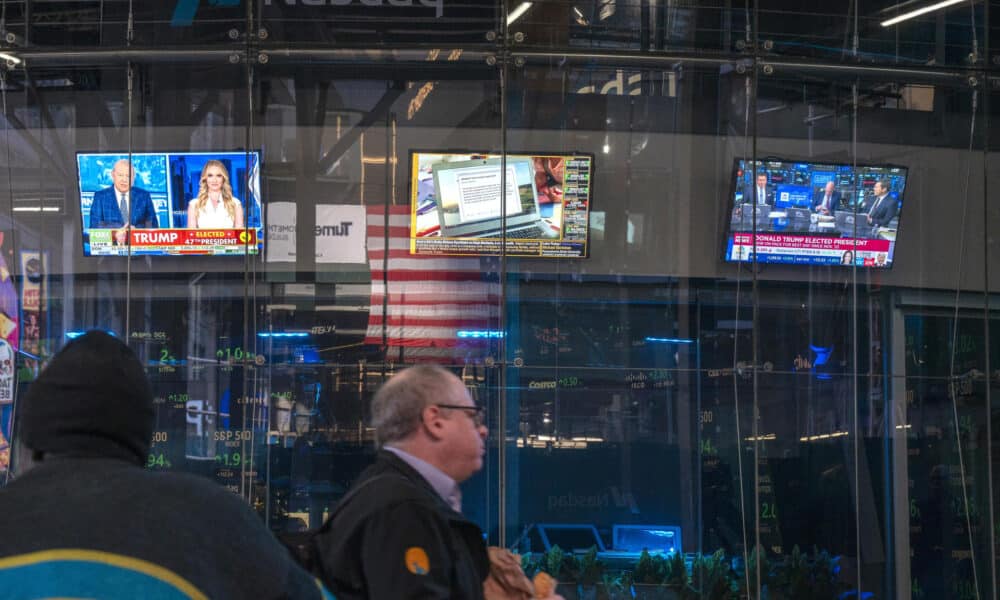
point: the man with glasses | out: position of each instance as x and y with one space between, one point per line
399 532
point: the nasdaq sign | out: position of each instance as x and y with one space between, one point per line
186 9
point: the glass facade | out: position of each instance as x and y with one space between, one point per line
812 421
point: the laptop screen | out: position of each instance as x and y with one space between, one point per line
654 538
571 538
486 204
470 192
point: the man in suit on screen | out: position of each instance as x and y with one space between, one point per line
883 207
122 205
826 202
763 194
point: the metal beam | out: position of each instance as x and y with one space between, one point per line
376 114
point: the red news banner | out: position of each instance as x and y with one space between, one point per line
818 248
790 242
176 241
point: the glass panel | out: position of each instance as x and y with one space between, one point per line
902 34
382 24
614 359
634 25
176 294
189 315
353 288
114 25
48 115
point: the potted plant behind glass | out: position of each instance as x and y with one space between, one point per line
562 566
800 577
589 571
618 587
766 576
657 577
712 577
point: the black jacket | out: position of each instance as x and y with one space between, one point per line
395 538
133 533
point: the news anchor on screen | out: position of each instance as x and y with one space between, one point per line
763 193
215 207
112 204
883 207
826 201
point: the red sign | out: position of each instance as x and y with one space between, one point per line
193 237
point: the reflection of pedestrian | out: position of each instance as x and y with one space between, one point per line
847 258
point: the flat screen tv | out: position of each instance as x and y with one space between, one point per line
169 210
806 213
456 206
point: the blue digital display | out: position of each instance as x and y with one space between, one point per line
815 213
797 196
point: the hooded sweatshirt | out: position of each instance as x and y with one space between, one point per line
89 521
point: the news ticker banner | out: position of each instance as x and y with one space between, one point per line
814 250
175 242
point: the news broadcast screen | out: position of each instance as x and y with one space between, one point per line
803 213
170 203
457 209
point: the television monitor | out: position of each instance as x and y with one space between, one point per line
165 185
781 212
457 209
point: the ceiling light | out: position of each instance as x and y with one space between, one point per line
517 12
920 11
10 58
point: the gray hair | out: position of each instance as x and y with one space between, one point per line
398 404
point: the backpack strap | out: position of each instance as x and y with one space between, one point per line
302 544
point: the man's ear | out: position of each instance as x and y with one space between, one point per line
433 422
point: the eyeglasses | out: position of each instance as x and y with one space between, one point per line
476 413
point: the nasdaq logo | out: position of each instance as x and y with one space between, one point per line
185 10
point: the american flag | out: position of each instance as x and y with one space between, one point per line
420 304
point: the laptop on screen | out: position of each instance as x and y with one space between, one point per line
798 219
845 222
469 199
571 538
657 539
763 220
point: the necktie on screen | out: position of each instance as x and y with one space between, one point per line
123 205
875 205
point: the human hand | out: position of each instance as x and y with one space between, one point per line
548 179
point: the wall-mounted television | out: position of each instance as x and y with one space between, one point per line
810 213
169 209
457 209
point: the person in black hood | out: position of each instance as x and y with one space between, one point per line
85 519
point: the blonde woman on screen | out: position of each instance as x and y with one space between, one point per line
215 207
